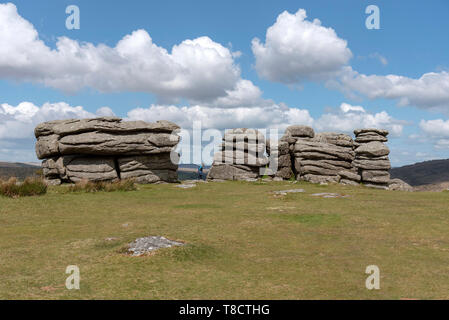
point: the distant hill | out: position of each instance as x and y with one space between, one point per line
23 170
428 172
18 170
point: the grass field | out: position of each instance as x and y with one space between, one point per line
243 242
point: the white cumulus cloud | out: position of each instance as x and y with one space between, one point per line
430 91
348 117
296 49
198 69
274 116
17 125
437 128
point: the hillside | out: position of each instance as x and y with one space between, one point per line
423 173
17 169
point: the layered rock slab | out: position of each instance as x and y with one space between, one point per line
241 156
372 160
320 159
107 149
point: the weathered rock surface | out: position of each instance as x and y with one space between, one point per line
350 175
101 124
320 159
92 169
241 157
107 149
338 139
144 169
314 178
279 152
145 245
367 137
399 185
373 149
232 172
372 160
381 132
372 164
338 152
376 176
300 131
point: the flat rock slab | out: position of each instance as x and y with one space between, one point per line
194 181
284 192
328 195
186 186
145 245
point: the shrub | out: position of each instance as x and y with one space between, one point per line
30 187
89 186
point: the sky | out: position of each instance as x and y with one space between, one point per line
229 64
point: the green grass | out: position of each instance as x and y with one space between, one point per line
243 242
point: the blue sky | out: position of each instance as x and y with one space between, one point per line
412 41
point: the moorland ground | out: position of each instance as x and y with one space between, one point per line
242 242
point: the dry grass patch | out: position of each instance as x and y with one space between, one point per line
89 186
12 188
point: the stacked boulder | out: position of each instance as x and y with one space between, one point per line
279 152
291 136
399 185
327 157
107 149
241 156
371 157
294 133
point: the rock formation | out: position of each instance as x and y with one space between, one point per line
107 149
280 152
325 158
334 157
241 156
371 158
398 184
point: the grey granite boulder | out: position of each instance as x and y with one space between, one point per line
373 149
232 172
381 132
350 175
376 176
144 169
99 149
94 143
338 152
299 131
372 164
372 160
241 156
399 185
338 139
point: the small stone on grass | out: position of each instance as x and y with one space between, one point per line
284 192
145 245
186 186
328 195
